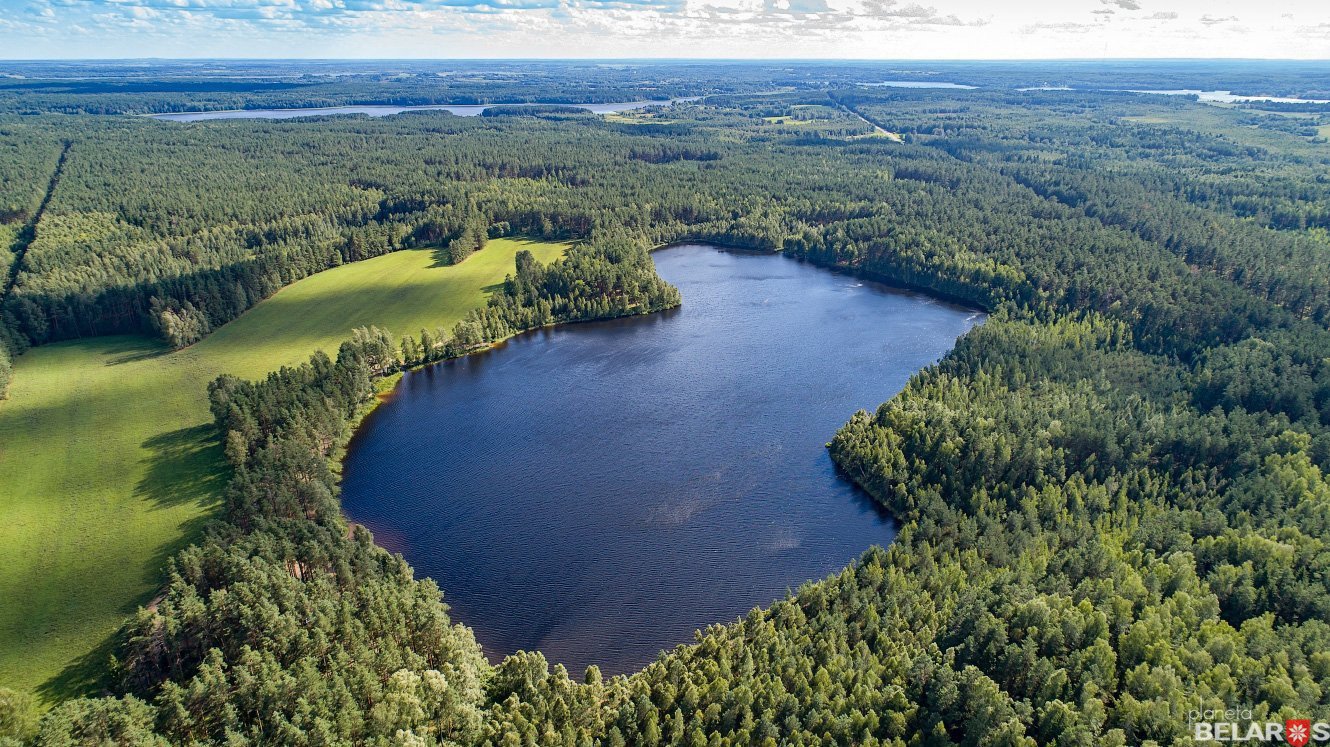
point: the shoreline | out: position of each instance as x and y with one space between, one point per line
476 621
386 386
899 286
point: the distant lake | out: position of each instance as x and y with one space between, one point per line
599 491
1226 97
919 84
383 111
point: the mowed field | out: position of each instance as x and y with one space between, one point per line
109 463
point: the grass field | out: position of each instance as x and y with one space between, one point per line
108 463
1222 121
792 122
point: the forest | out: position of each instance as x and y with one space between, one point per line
163 86
1113 497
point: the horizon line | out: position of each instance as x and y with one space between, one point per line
795 60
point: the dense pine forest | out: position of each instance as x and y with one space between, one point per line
1114 496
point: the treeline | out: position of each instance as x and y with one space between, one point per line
348 647
1114 555
284 594
23 198
535 110
610 277
216 216
181 249
6 371
1211 197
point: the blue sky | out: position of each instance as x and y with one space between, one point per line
891 29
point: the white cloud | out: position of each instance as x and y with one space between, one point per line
669 28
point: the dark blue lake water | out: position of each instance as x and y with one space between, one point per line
599 491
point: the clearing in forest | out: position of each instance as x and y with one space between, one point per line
109 462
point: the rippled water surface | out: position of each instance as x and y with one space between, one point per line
598 491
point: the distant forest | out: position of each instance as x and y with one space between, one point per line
160 86
1114 496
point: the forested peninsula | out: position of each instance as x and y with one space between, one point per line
1113 495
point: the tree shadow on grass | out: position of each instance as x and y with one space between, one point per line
90 675
184 466
86 676
142 355
441 256
134 349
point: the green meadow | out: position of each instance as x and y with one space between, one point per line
109 462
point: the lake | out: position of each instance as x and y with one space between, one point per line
920 84
384 110
1227 97
599 491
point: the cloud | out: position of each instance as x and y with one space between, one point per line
1062 26
673 28
796 7
912 14
1319 31
770 20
